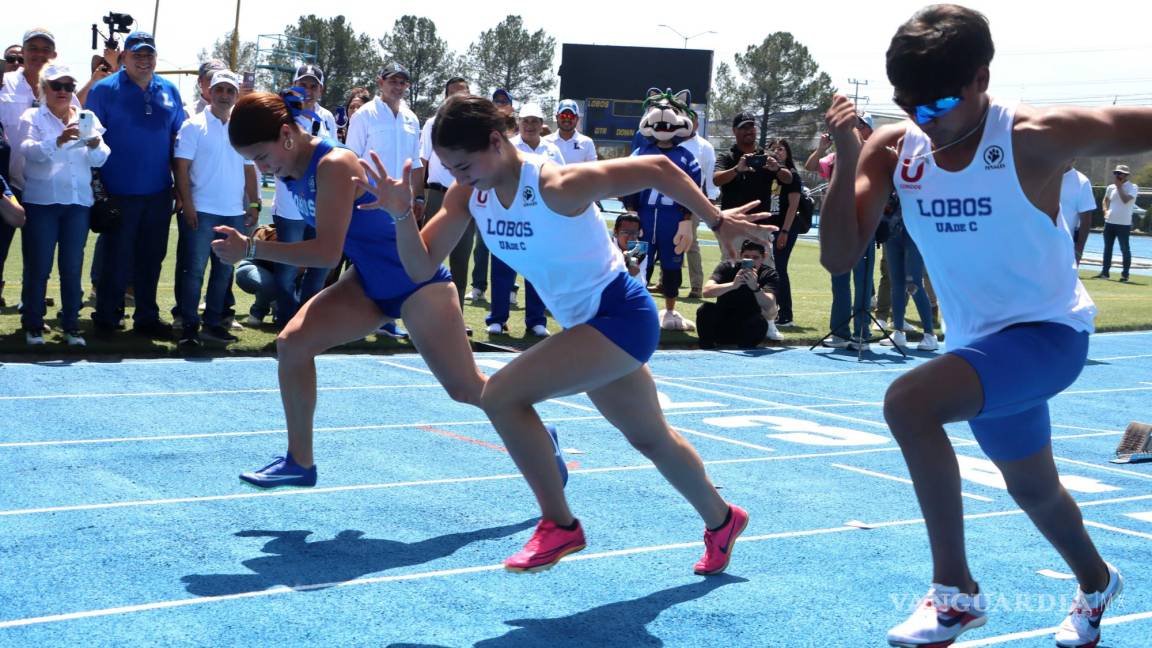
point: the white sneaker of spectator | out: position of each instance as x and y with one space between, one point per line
859 344
835 342
899 338
252 320
34 338
540 331
73 338
773 333
475 295
671 320
929 343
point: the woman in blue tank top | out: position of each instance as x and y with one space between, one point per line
319 172
521 202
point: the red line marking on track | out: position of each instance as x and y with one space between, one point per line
574 465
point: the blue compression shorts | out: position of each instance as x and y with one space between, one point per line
1020 369
627 316
391 306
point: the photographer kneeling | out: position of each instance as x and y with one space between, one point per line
744 312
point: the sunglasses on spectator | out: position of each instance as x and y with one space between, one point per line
14 58
66 86
502 102
924 113
1119 173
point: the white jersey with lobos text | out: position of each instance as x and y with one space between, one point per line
995 259
568 259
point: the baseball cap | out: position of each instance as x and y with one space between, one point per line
867 119
567 105
392 68
139 40
57 72
225 76
1122 168
501 92
743 118
309 70
531 110
39 32
210 66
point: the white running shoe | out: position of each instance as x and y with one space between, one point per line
929 343
540 331
1081 629
898 339
943 614
73 338
773 333
859 344
673 321
34 338
835 342
497 328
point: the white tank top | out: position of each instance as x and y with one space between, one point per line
994 258
568 259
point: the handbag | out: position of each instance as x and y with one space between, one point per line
105 214
804 211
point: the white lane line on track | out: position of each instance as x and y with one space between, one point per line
557 401
443 573
902 480
1032 634
1116 529
722 439
220 392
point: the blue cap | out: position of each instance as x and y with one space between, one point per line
139 40
501 92
568 105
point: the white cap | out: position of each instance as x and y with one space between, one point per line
225 76
57 72
531 110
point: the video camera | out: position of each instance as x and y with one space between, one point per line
118 23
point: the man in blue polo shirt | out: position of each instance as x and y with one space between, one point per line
142 114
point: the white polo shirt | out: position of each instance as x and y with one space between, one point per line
578 148
437 172
282 203
1120 212
395 137
1075 198
217 170
546 149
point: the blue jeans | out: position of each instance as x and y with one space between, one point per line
503 277
288 296
905 265
47 226
844 308
480 257
134 252
258 281
196 248
1111 234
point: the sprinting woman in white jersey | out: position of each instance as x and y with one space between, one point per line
979 181
541 219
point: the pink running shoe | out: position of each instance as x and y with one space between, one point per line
718 544
548 544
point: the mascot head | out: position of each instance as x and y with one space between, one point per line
667 117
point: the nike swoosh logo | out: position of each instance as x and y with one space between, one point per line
948 622
1095 623
275 477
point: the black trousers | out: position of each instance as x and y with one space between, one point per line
718 325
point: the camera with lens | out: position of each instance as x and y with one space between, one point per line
118 23
757 162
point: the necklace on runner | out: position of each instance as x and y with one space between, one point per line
954 142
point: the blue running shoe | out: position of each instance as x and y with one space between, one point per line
391 330
560 463
282 472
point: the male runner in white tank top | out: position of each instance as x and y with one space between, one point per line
979 180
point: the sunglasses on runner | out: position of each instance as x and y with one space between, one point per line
924 113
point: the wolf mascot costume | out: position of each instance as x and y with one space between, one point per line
667 121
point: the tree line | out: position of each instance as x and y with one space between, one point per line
777 79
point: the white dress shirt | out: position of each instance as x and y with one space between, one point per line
217 170
395 137
1075 198
56 175
16 97
579 148
437 172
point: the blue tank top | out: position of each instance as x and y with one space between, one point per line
371 239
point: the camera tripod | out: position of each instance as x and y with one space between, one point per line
860 351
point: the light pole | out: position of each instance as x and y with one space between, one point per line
686 38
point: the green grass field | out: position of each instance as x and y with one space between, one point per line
1122 307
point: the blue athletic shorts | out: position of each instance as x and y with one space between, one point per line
1020 369
628 317
391 306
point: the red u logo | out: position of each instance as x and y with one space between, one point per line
482 197
907 174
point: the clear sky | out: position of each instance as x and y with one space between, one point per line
1050 51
